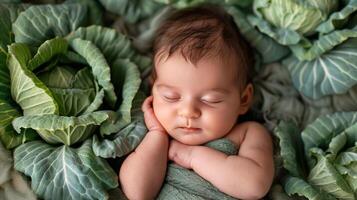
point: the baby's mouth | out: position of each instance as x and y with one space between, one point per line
189 129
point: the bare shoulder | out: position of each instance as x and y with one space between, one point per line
251 132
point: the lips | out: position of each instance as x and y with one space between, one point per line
189 130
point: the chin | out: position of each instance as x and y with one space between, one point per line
192 143
191 140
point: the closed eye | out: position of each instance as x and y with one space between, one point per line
171 99
211 101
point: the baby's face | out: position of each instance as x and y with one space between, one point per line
195 104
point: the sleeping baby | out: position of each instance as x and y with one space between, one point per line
195 148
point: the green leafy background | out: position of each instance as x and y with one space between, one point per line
73 76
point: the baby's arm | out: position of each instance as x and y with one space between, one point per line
247 175
143 171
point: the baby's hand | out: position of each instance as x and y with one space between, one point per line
180 153
150 119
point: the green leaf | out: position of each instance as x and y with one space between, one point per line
269 49
75 93
324 44
300 17
8 136
99 65
127 138
126 79
9 13
351 177
298 186
181 3
131 10
282 36
71 57
346 158
329 104
289 142
276 97
95 10
61 129
5 28
112 44
126 76
83 79
64 172
337 144
347 101
334 72
5 91
338 18
306 48
47 51
58 77
26 89
324 129
42 22
73 102
96 103
329 145
325 177
145 31
124 142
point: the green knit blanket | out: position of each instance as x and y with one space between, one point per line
181 183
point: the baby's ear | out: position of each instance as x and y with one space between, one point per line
246 99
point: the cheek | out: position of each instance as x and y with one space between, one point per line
163 113
220 122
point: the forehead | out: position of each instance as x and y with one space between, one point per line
207 73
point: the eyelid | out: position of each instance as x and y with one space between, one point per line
170 96
213 101
169 99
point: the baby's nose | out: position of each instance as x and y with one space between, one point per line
189 110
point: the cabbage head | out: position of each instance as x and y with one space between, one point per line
321 162
302 16
69 97
57 101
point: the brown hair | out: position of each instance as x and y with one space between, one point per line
201 31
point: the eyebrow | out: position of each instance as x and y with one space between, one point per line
166 86
219 90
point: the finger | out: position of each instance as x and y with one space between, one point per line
149 116
147 105
150 120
